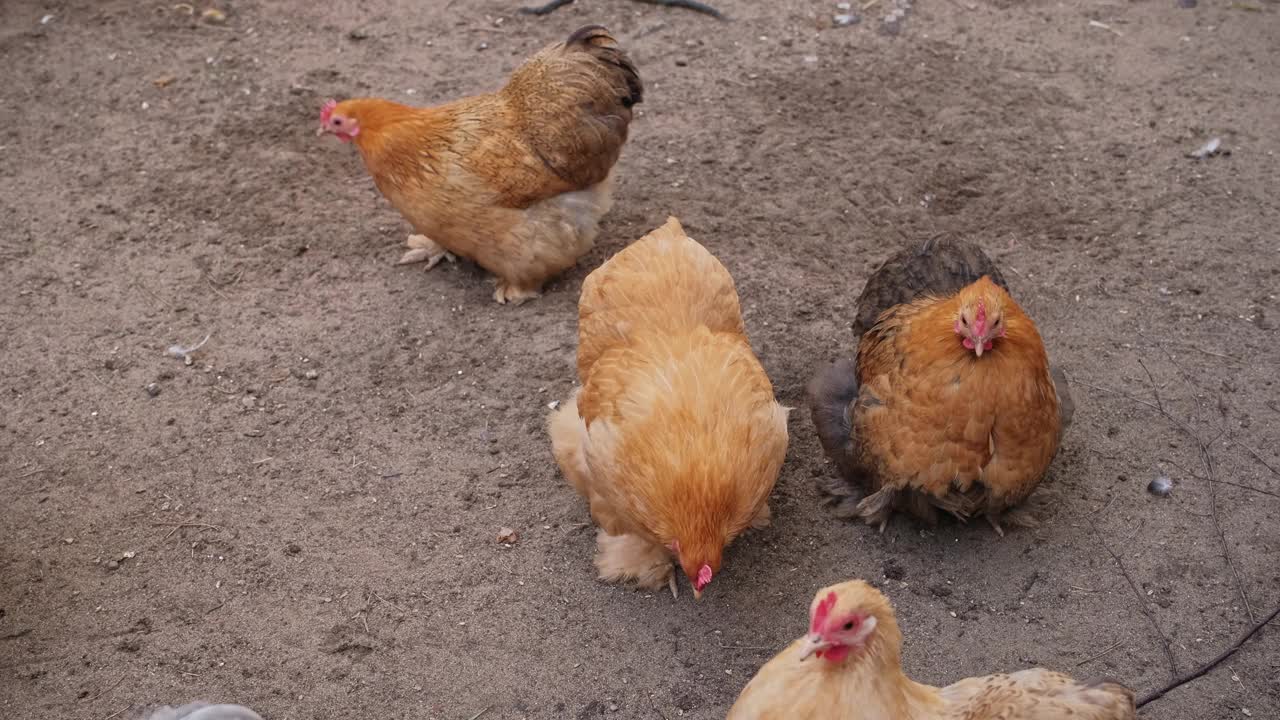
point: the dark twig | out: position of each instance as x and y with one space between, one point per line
1155 389
1156 695
1252 452
1207 459
693 5
108 689
1221 482
545 9
1142 601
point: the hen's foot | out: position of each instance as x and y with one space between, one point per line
631 557
876 508
424 249
508 293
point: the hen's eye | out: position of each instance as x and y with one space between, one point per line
337 121
964 321
848 625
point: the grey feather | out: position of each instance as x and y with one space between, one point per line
204 711
938 266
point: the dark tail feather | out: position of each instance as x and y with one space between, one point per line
831 395
589 34
597 40
1066 406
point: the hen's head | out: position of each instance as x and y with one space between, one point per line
980 318
700 561
338 118
850 620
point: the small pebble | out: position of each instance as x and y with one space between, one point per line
846 19
507 536
113 565
214 16
1161 487
153 389
358 34
311 374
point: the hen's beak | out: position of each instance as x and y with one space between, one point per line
978 345
812 644
697 594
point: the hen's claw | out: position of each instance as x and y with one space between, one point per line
506 293
995 525
423 249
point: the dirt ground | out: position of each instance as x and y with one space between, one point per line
304 519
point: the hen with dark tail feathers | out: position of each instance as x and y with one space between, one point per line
516 180
949 402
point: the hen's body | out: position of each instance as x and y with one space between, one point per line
869 683
515 180
918 420
674 439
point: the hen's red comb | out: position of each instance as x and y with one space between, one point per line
821 612
327 109
980 318
704 576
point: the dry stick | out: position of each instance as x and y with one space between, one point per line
109 689
1252 452
1213 512
1142 602
1207 459
179 525
1156 695
1104 652
1221 482
688 5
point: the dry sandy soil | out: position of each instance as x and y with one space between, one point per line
304 519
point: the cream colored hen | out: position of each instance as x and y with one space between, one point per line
857 675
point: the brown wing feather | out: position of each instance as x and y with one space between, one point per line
570 105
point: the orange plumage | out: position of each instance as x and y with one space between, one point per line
951 403
674 438
515 180
849 666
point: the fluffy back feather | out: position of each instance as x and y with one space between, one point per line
686 439
664 281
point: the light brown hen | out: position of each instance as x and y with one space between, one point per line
515 180
849 667
674 438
